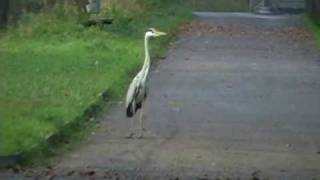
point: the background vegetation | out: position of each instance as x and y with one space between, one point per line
314 26
313 9
313 18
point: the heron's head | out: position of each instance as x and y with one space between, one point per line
154 33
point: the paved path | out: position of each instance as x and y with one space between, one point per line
229 101
265 21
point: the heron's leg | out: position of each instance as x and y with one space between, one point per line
130 134
141 122
143 130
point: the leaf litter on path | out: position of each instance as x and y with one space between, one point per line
200 28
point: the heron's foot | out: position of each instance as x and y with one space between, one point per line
140 136
130 135
146 133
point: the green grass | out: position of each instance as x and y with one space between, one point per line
221 5
314 27
52 70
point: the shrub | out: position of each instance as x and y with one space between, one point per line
313 9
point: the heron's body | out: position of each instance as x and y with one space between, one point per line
138 90
136 95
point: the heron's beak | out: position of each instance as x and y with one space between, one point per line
159 33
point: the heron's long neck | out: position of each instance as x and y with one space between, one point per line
146 65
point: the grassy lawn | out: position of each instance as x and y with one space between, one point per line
52 70
221 5
314 27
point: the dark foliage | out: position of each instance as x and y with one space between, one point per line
4 9
313 9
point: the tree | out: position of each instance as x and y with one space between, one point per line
4 12
313 8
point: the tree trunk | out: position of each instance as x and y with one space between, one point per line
4 12
313 8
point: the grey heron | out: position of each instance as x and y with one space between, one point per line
138 90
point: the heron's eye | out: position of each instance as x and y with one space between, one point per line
152 30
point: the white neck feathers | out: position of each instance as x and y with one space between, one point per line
146 65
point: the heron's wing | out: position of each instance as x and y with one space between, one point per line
133 91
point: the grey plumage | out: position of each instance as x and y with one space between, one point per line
138 90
